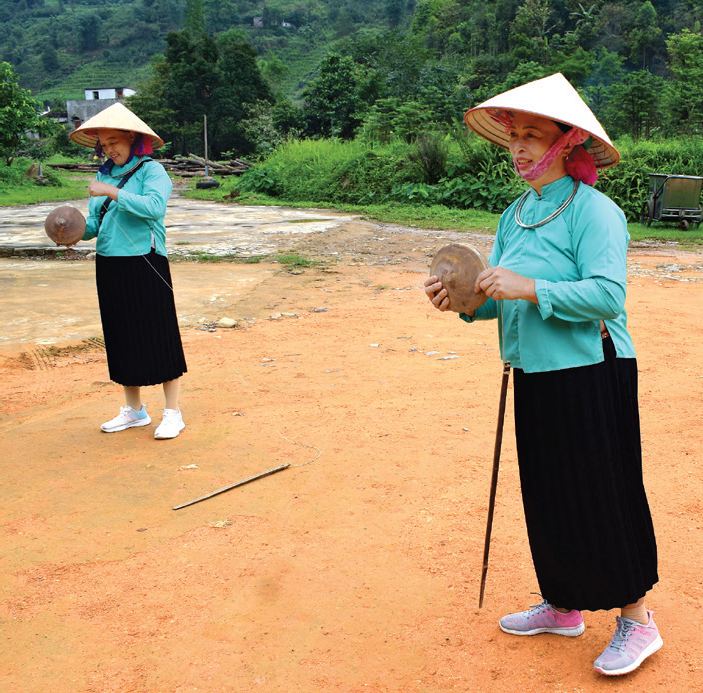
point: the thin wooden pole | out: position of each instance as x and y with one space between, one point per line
494 477
205 129
231 486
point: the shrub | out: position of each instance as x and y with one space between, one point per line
465 172
328 170
430 154
627 183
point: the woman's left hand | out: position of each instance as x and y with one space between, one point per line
500 283
96 189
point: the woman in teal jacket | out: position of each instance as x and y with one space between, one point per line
556 285
137 309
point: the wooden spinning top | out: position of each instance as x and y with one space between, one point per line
65 225
457 267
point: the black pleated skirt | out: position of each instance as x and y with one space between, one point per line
138 314
587 515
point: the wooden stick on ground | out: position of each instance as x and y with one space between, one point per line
231 486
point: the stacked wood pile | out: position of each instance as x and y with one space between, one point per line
192 165
186 166
88 168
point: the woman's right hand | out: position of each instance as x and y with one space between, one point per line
437 293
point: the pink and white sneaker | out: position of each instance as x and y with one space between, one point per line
631 644
543 618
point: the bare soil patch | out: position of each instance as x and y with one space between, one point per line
356 572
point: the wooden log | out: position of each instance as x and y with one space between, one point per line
202 161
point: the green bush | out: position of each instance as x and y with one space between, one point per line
329 171
478 174
14 176
627 183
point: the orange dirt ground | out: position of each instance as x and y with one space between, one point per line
356 572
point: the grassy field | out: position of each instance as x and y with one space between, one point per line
33 194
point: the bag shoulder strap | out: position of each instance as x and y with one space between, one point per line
123 180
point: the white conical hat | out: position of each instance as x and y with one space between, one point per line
115 117
552 97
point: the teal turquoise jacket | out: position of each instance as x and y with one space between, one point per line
579 264
137 218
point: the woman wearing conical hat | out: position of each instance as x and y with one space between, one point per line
556 286
137 309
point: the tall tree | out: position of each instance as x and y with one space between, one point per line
684 94
240 85
634 105
531 29
19 114
332 99
194 20
200 76
645 33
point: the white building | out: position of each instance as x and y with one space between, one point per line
96 100
111 93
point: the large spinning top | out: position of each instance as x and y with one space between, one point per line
65 225
457 267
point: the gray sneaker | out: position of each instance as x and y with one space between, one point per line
543 618
631 644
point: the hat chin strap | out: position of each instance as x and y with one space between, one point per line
577 169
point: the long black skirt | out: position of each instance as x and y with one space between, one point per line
138 314
587 515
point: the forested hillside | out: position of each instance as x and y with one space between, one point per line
58 47
266 71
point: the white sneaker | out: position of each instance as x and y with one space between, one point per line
127 418
171 425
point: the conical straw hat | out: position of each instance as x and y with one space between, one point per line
552 97
115 117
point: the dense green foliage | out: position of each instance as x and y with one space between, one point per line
475 44
19 114
386 80
200 76
476 174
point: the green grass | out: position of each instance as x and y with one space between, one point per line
296 260
439 217
28 193
661 231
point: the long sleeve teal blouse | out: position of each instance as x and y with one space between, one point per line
136 219
579 264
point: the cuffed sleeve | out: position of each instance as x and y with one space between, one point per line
597 298
91 228
600 254
488 311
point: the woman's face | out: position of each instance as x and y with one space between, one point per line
530 138
117 144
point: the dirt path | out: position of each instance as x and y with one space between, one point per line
356 572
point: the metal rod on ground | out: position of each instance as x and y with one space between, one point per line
231 486
494 477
